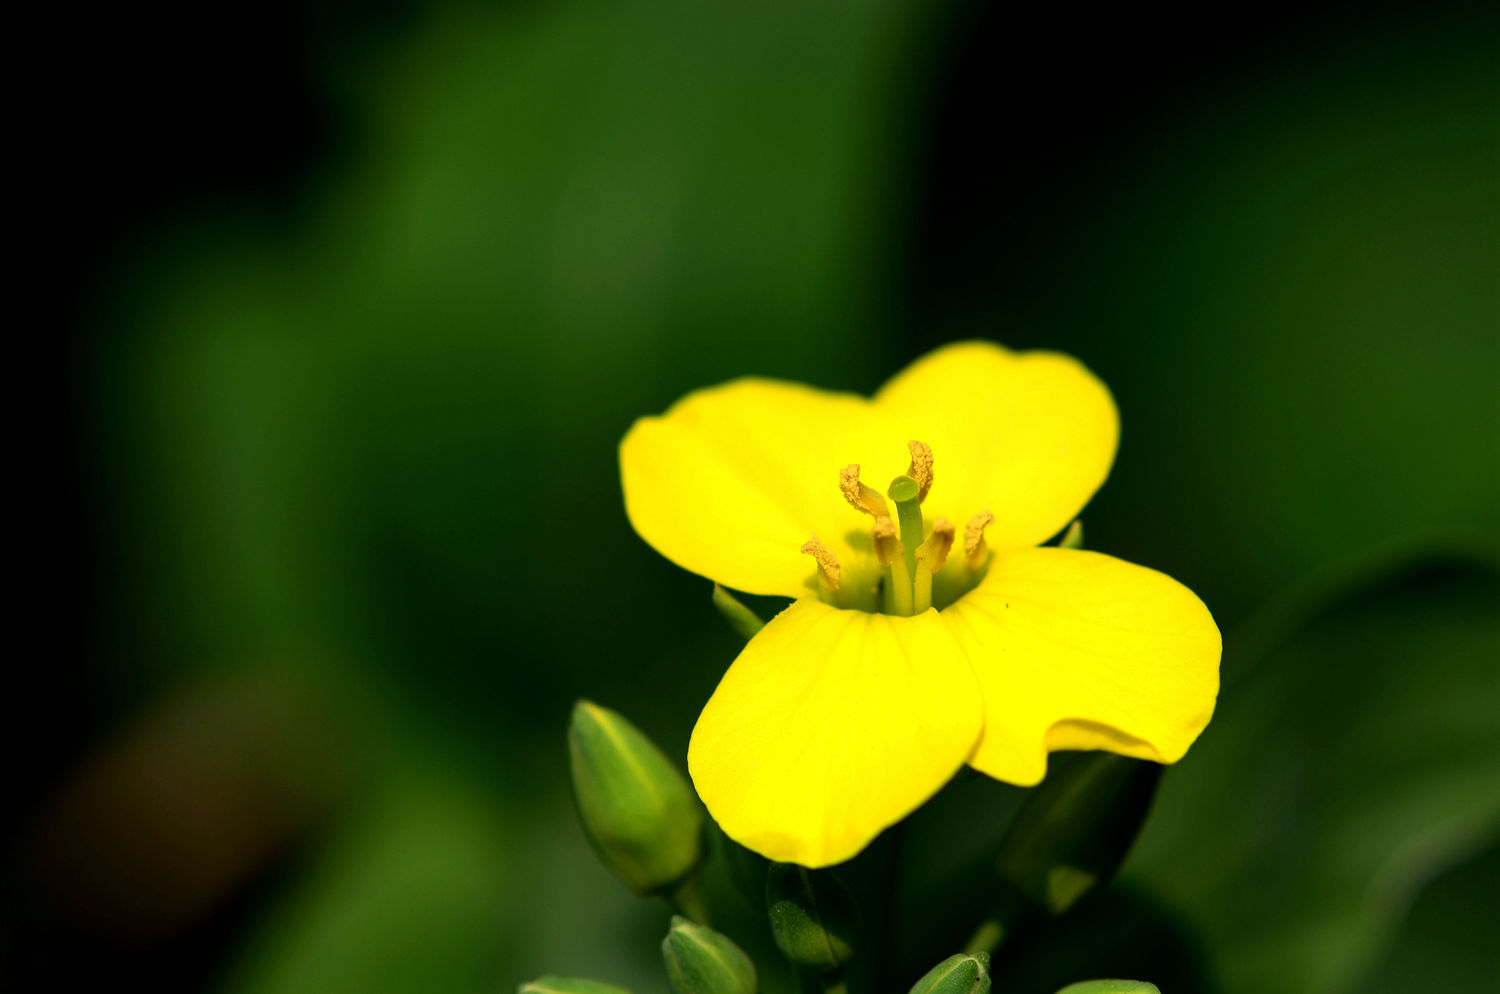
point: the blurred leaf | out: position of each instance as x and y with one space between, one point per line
1291 270
1448 941
556 218
195 796
1357 759
410 899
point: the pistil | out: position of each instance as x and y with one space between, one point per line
907 495
931 555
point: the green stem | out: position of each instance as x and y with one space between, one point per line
885 932
986 938
812 982
687 899
1008 913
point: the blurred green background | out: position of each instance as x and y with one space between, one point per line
361 301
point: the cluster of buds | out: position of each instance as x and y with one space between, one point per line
643 820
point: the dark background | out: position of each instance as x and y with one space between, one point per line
344 310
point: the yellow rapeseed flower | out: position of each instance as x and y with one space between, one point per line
929 630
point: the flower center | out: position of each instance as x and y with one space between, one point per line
910 554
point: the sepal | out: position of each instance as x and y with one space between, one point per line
745 622
1076 827
814 917
964 973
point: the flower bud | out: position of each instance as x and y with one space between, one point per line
814 917
960 974
1111 987
638 811
1076 827
568 985
701 961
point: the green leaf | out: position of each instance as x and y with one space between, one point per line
1356 759
1447 942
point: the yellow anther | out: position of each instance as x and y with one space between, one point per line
933 553
866 499
921 467
828 564
887 546
974 547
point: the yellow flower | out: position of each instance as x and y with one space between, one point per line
861 699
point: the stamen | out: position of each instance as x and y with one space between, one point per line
921 467
931 555
891 553
866 499
1073 537
887 545
974 547
828 564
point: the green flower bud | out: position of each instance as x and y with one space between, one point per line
568 985
1075 828
1111 987
960 974
638 811
814 918
701 961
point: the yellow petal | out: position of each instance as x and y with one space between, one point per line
732 480
831 726
1077 650
1027 435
